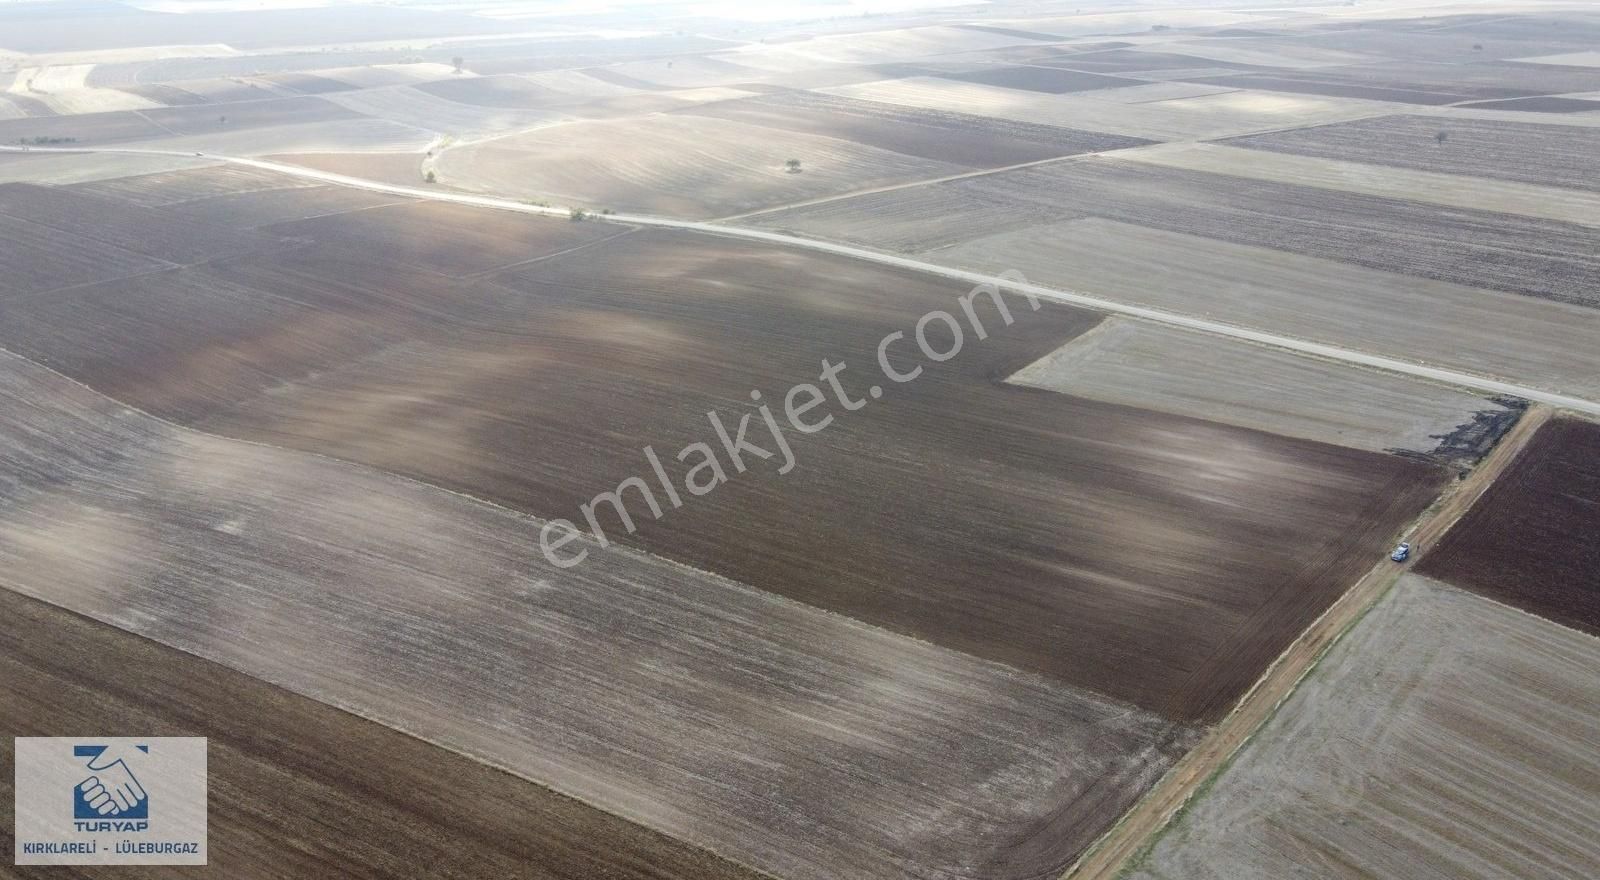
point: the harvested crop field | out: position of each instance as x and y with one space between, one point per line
971 141
1549 155
1444 736
676 165
1525 255
1543 104
1530 540
1223 114
1541 343
342 348
1565 205
297 785
785 737
1192 374
1052 80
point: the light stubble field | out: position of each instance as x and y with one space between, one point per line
1444 736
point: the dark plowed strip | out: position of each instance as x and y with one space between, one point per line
1533 539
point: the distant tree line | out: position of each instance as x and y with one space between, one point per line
43 141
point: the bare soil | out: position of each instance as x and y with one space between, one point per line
299 789
1530 541
1013 524
964 139
1549 155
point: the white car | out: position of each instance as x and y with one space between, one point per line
1401 553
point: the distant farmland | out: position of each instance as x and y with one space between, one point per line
1464 246
1552 155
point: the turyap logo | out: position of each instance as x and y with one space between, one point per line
111 789
110 801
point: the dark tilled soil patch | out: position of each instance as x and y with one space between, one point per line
1533 540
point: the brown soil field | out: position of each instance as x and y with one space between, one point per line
39 258
1531 540
1039 519
1444 736
1476 248
158 187
1053 80
88 129
782 736
1549 155
209 118
298 788
257 209
964 139
452 240
495 91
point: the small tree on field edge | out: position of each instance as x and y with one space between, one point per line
793 165
430 178
1441 137
459 62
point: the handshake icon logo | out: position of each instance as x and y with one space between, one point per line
110 790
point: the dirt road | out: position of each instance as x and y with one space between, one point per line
1139 826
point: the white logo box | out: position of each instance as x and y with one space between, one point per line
107 800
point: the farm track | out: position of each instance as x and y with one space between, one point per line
1105 860
1452 377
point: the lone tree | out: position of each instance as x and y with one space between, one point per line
458 61
793 165
1441 137
430 177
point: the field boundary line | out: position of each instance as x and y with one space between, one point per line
1142 825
